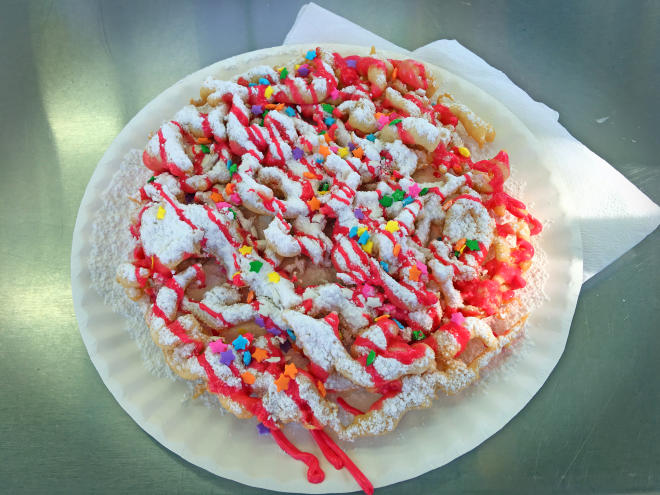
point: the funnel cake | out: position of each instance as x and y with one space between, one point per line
320 229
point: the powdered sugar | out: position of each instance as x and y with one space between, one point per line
174 230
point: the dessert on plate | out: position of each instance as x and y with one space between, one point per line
328 243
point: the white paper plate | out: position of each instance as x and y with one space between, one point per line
231 448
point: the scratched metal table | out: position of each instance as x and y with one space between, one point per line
74 73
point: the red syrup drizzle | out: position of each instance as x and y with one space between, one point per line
338 458
314 472
483 294
345 405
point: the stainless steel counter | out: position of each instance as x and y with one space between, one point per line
74 73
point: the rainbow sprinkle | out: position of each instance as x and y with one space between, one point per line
268 92
472 245
392 226
240 343
386 201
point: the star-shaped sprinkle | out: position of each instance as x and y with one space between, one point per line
418 335
290 112
386 201
458 318
285 346
260 354
216 197
217 346
342 152
255 266
398 195
382 121
327 107
240 343
472 245
324 150
297 153
262 429
414 273
422 267
290 370
358 214
351 63
414 190
314 204
160 214
329 121
274 277
248 377
284 73
358 152
368 247
268 92
371 357
311 55
257 109
392 226
245 250
227 357
247 358
367 290
370 137
303 70
282 382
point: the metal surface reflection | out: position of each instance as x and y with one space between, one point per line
75 72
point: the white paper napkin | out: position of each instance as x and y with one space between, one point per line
610 206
